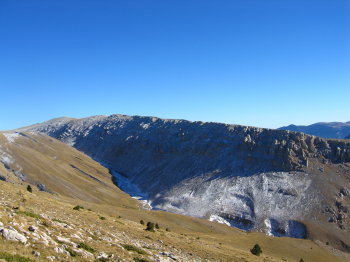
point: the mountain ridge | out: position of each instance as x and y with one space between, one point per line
338 130
72 200
274 181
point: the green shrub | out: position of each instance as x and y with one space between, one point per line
134 249
157 226
137 259
29 189
102 218
59 221
256 250
45 223
28 214
301 260
86 247
71 252
14 258
78 207
167 229
150 227
142 222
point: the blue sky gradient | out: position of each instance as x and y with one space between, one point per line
260 63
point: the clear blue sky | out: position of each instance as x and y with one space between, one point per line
261 63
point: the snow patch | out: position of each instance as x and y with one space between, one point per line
11 137
145 126
6 159
289 228
218 219
124 184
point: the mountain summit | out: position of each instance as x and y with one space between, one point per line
323 129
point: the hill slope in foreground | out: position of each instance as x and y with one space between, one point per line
44 225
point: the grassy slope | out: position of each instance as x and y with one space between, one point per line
48 161
45 160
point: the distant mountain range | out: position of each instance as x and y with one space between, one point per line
323 129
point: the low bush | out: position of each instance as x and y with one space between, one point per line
28 214
256 250
86 247
29 189
150 227
137 259
78 207
14 258
134 249
71 252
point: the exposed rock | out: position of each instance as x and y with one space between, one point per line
41 187
32 228
13 235
344 192
102 255
169 255
63 240
61 250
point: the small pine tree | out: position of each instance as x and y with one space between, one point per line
142 222
256 250
29 189
301 260
78 207
150 226
157 226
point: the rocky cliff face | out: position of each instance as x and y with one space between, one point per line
276 181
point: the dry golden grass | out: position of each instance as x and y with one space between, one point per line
202 239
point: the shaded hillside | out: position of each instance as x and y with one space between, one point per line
280 182
325 130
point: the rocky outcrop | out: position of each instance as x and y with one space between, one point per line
263 149
12 235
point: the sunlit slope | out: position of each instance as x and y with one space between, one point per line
52 166
60 228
